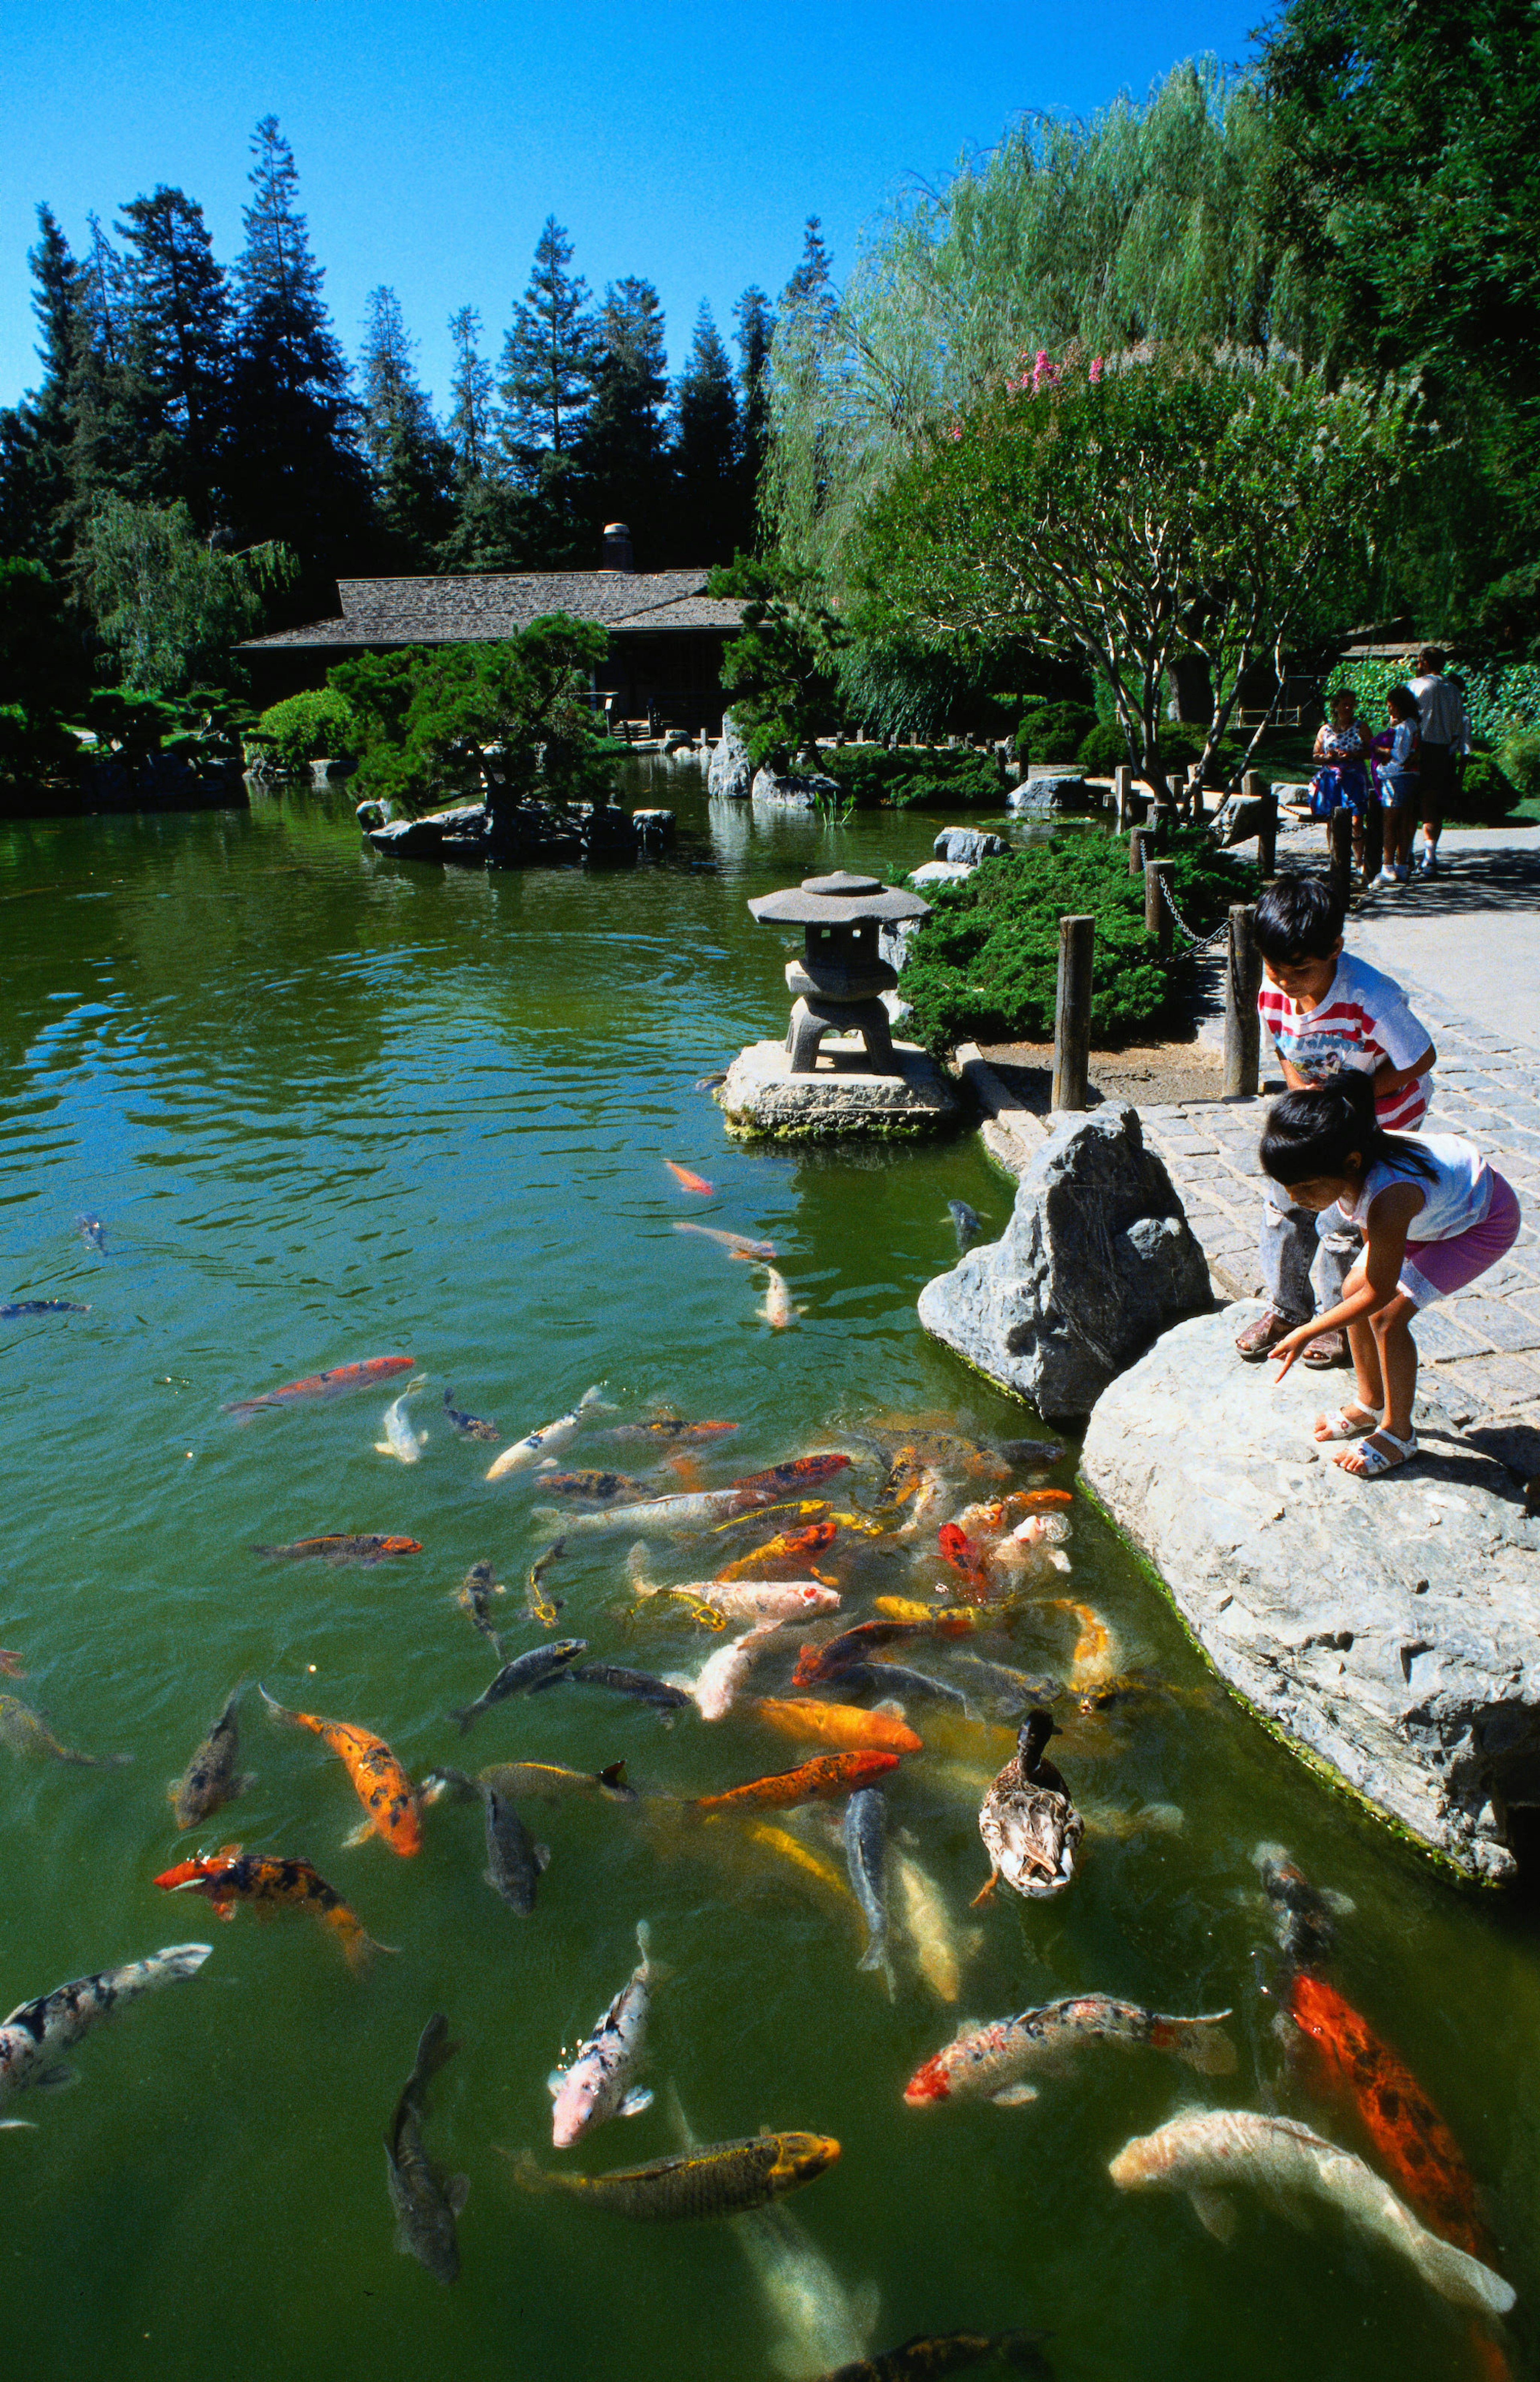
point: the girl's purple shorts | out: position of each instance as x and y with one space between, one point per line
1432 1269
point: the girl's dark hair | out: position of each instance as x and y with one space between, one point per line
1309 1134
1401 700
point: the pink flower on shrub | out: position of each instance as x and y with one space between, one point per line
1096 364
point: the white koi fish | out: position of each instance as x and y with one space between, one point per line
597 2084
1204 2150
779 1310
37 2031
401 1440
545 1442
723 1672
938 1950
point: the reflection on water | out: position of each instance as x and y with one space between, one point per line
329 1106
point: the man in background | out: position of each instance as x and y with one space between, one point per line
1442 721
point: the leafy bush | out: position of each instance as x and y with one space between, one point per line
911 778
1500 700
1107 749
317 725
1484 792
33 747
1052 731
985 965
1519 759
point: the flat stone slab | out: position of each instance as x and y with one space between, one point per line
1387 1631
762 1097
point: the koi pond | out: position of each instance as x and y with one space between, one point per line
327 1108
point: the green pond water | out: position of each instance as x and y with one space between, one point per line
329 1106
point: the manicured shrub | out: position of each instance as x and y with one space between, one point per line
1052 731
1519 759
317 725
915 778
1484 793
984 966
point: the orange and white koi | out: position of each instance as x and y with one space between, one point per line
379 1781
765 1600
231 1876
991 2062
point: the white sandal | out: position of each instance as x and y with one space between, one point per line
1341 1425
1375 1461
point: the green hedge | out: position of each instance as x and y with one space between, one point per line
1105 749
317 725
984 966
1052 731
923 777
1517 762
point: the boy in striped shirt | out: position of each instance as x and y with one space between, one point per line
1325 1011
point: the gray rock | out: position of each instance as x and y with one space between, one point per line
732 773
941 872
762 1099
969 844
1097 1259
793 789
1067 793
1389 1630
654 828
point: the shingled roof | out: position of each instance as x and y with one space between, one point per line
476 608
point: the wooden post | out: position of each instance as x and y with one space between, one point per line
1158 874
1374 840
1072 1012
1242 1025
1339 839
1141 843
1161 812
1123 779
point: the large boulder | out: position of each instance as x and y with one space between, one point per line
970 845
795 789
1047 794
1098 1259
732 772
1387 1630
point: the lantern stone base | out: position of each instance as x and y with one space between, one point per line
762 1099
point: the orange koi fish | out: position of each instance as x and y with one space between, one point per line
1036 1501
688 1182
1094 1663
825 1778
963 1556
843 1725
379 1782
332 1384
1407 2131
786 1550
230 1876
946 1620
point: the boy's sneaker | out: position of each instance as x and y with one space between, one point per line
1427 866
1403 874
1385 876
1260 1338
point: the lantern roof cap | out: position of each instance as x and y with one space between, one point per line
841 899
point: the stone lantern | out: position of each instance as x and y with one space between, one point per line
838 982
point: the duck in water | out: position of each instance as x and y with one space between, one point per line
1030 1828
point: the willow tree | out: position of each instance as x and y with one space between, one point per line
1141 225
1132 509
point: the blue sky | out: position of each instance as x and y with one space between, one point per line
675 138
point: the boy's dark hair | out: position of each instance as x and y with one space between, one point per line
1430 662
1311 1135
1299 918
1403 702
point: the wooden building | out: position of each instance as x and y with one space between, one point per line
666 632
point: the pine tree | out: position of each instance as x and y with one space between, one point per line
755 332
35 434
295 471
177 342
548 357
412 461
470 423
810 290
705 453
622 459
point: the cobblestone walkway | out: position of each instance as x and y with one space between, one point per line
1484 1342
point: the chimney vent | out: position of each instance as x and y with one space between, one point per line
617 547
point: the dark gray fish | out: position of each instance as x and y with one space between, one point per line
210 1778
927 2355
893 1679
1303 1919
513 1864
967 1223
537 1668
470 1426
1029 1451
25 1732
42 1306
640 1684
93 1232
425 2202
594 1488
1012 1691
865 1858
479 1584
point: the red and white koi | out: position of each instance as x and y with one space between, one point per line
991 2062
597 2084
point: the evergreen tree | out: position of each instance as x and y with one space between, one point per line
178 341
546 381
621 458
756 329
470 423
810 290
412 461
34 435
295 470
705 453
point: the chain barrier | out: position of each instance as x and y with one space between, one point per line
1196 942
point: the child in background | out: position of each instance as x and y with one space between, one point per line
1434 1215
1397 747
1325 1011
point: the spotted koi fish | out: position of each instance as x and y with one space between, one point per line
1407 2131
231 1876
379 1782
946 1620
963 1555
823 1779
789 1548
345 1546
36 2032
991 2062
666 1430
334 1383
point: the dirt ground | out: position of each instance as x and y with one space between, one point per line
1145 1072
